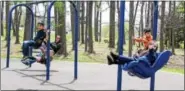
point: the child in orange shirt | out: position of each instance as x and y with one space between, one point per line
146 40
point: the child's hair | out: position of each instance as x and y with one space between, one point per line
146 30
155 45
40 23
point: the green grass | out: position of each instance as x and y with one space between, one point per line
174 70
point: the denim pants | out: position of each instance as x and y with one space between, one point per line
26 45
124 59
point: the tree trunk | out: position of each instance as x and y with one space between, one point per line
96 16
87 24
82 22
2 13
168 26
100 13
14 20
0 23
151 16
162 27
7 11
141 21
148 15
173 31
134 18
45 13
56 19
18 21
78 8
131 28
27 28
72 24
184 30
90 27
62 32
112 25
100 27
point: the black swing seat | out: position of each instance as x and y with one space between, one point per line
143 69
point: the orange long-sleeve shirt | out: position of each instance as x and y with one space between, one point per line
145 40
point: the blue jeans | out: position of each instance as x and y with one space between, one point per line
124 59
26 45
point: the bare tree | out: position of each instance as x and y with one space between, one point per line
173 33
141 21
0 22
7 11
151 16
62 26
162 27
147 22
91 50
56 19
95 21
100 21
27 28
72 25
2 10
86 27
78 9
169 24
131 28
82 22
112 25
184 29
17 21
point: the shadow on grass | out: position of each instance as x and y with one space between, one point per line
43 82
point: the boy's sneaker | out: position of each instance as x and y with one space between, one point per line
24 61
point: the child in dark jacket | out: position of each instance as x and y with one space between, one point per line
54 48
150 56
36 42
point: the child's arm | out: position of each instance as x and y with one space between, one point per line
138 39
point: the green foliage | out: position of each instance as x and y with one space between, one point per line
181 44
180 7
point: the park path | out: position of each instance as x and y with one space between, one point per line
91 76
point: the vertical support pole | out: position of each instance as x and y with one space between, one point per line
152 82
155 24
48 42
121 38
31 32
76 44
8 38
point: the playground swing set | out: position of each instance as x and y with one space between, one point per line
142 70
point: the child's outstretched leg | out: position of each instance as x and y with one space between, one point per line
118 59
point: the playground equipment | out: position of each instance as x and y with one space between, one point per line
76 41
142 69
9 29
48 28
133 71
